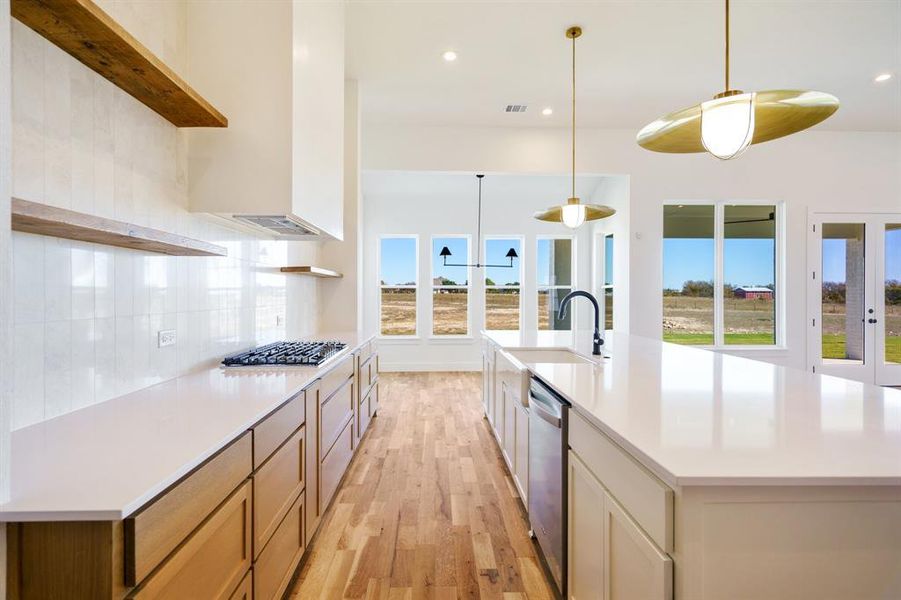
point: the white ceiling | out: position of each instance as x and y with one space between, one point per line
636 60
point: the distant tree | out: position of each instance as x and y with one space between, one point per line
489 281
893 292
833 292
697 289
514 283
728 290
445 281
671 292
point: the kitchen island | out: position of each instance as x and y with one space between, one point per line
694 474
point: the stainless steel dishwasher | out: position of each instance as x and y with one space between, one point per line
548 428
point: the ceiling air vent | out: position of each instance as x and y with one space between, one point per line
280 225
516 108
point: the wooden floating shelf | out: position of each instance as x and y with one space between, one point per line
90 35
33 217
313 272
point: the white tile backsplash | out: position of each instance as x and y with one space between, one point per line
86 316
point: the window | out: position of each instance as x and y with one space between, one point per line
608 281
555 280
502 284
398 276
719 274
450 286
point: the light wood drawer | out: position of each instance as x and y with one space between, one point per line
269 433
213 561
365 415
332 381
276 486
334 414
374 400
156 529
334 464
245 588
365 351
311 460
647 499
369 372
273 570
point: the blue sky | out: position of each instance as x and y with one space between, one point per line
746 261
398 257
496 255
834 257
459 255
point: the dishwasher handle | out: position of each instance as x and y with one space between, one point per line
540 408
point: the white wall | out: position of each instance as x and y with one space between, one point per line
435 204
341 300
811 171
5 276
86 316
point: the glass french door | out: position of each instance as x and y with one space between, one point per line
855 296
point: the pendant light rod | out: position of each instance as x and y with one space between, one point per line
479 227
445 251
727 46
572 34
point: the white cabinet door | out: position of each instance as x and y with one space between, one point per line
633 565
521 460
511 399
585 580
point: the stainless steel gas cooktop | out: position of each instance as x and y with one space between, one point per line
287 354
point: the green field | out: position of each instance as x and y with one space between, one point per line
706 339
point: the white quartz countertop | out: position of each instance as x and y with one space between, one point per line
696 417
105 461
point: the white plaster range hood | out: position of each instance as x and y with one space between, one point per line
277 70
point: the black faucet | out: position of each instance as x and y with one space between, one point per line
597 342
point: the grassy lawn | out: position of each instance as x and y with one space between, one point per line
706 339
834 347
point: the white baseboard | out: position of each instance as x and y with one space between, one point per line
386 367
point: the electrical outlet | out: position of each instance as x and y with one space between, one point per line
166 337
279 320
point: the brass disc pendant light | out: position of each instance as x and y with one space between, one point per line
733 120
574 213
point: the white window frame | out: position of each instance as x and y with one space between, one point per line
719 215
380 287
574 269
432 287
486 287
601 285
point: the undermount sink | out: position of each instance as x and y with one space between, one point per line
550 355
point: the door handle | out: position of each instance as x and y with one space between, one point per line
871 321
538 409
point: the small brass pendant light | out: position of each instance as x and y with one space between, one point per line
574 213
733 120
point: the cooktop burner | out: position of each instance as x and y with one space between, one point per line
286 353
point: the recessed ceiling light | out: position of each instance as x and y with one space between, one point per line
449 56
882 77
547 111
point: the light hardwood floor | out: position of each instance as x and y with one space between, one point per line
427 509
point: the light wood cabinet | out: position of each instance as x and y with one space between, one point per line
313 512
155 530
275 567
334 465
334 414
212 562
273 430
245 588
276 485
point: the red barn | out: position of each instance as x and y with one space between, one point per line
753 293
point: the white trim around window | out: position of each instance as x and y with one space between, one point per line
574 269
380 287
718 271
433 260
519 267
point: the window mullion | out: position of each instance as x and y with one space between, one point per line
718 233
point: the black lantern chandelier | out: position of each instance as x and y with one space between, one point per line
445 251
